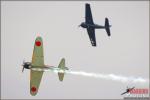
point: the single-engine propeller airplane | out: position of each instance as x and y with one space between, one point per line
90 26
37 67
128 90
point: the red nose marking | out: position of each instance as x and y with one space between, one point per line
38 43
33 89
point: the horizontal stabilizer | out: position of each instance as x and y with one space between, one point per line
61 76
107 26
62 68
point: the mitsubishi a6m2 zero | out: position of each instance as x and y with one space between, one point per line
37 67
91 26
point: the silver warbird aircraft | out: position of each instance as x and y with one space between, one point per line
91 26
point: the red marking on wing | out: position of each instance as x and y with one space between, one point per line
33 89
38 43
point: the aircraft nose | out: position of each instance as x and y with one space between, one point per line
79 25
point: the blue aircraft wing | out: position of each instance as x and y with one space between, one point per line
91 33
88 14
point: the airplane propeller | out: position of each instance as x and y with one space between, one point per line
23 65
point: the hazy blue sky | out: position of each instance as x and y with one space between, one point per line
125 53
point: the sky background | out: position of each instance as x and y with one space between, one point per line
125 53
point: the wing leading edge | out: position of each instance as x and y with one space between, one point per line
88 14
37 62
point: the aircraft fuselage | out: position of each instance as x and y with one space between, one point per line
28 65
95 26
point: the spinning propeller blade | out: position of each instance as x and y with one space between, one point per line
23 69
23 65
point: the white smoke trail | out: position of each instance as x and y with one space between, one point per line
110 77
113 77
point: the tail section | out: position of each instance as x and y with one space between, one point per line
107 26
62 68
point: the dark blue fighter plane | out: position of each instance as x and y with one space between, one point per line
90 26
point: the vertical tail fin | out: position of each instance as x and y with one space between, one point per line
107 26
62 67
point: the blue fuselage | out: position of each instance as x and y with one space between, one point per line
95 26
